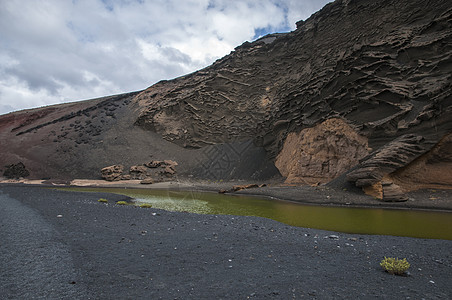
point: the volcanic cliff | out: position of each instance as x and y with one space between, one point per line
359 92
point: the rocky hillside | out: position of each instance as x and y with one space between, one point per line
361 91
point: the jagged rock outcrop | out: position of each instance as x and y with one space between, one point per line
389 75
321 153
373 173
138 172
430 170
168 167
240 187
112 173
357 77
388 159
162 168
150 172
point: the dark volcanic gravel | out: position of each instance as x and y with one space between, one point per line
67 245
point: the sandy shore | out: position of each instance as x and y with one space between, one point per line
67 245
435 199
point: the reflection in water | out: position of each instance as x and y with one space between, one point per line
422 224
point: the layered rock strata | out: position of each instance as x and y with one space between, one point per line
321 153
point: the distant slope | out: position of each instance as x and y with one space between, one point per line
76 140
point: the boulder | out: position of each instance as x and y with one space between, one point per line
167 167
16 171
392 192
112 173
170 163
321 153
236 188
138 172
147 180
168 171
154 164
125 177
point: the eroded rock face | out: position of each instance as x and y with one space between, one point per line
112 173
405 165
388 75
153 171
388 159
321 153
138 172
374 173
430 170
162 168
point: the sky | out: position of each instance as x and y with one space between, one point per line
55 51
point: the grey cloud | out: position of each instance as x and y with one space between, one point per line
57 50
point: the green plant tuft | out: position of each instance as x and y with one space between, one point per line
145 205
394 265
122 203
103 200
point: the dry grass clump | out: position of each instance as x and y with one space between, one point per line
394 265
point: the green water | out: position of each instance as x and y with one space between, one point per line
413 223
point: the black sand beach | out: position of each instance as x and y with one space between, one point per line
67 245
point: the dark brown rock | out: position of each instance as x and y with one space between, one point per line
138 172
236 188
125 177
147 180
170 163
240 187
154 164
112 173
431 170
392 192
388 159
372 173
169 171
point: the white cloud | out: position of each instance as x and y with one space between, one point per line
53 51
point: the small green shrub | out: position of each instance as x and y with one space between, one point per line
394 265
122 203
146 205
103 200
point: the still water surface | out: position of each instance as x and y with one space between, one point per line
413 223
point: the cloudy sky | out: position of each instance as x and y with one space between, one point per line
54 51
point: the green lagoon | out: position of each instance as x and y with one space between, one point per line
397 222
